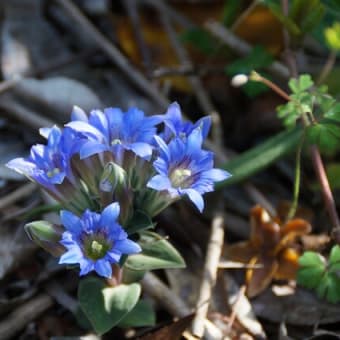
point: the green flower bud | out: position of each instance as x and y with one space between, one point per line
46 235
113 178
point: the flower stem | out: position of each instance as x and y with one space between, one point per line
316 160
297 180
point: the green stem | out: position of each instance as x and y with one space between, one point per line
297 179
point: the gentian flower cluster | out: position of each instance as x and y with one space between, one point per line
105 167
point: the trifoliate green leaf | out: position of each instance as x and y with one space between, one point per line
303 83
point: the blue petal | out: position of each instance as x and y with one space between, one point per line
57 178
54 136
74 255
194 142
85 266
173 118
196 198
45 131
103 268
110 214
164 148
78 114
85 128
22 166
216 175
127 247
99 121
91 148
115 119
113 256
159 183
70 221
140 149
161 166
204 124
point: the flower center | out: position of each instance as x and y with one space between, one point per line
53 172
179 176
96 247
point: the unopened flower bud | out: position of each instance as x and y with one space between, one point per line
239 80
112 177
46 235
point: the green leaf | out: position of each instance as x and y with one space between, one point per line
332 110
201 39
157 253
140 221
257 58
333 175
314 273
303 83
334 256
289 24
106 306
312 268
260 157
231 10
326 135
312 259
312 16
141 315
329 288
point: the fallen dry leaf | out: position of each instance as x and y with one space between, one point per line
272 247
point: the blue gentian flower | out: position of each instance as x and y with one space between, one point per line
48 164
116 131
95 241
184 168
176 127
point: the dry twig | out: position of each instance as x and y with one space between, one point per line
26 313
113 53
242 48
159 291
209 274
18 194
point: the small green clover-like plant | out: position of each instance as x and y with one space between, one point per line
319 111
323 276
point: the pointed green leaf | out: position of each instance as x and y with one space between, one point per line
106 306
157 253
140 221
257 58
261 156
141 315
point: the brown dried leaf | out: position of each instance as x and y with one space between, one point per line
259 279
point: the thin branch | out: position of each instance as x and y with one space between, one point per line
131 8
22 114
23 315
113 53
199 91
159 291
16 195
241 47
209 273
326 190
327 68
